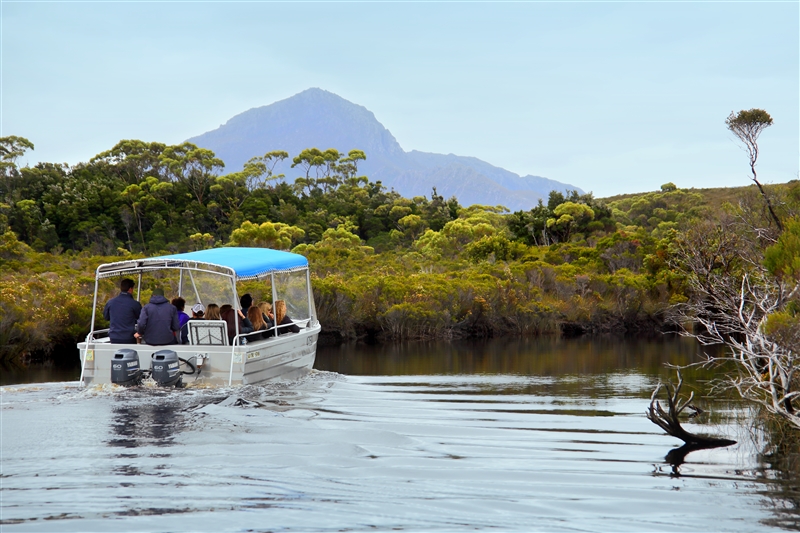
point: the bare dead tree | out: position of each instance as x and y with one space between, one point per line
733 296
668 420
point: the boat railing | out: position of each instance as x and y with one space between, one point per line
98 335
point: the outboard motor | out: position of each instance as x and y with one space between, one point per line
125 369
165 368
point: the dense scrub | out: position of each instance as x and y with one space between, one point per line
384 266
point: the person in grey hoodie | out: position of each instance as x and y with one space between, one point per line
159 321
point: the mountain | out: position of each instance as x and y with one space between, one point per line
316 118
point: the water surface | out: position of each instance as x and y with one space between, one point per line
524 435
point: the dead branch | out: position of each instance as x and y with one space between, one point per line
669 422
733 296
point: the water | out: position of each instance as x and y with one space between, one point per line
542 435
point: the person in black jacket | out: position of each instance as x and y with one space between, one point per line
284 321
122 312
159 321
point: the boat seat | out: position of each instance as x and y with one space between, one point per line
208 332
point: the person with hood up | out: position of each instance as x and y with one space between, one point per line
159 321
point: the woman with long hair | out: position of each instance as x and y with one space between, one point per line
212 312
269 318
230 315
284 321
259 326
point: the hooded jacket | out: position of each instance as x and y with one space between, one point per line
158 322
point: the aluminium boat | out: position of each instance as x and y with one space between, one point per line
212 357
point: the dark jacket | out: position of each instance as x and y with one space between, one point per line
122 312
270 326
258 334
158 322
245 326
284 328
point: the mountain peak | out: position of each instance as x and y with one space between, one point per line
312 118
316 118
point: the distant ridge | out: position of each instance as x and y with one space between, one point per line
316 118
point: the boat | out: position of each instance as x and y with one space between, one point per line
211 358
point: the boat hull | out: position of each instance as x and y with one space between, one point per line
286 357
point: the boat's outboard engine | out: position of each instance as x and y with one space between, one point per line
125 369
165 368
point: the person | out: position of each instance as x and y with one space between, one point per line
246 301
159 320
122 312
285 323
212 312
257 320
229 315
269 320
183 318
198 312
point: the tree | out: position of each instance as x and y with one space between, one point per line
11 148
149 202
324 170
267 235
260 170
748 305
747 126
194 167
348 166
133 160
567 217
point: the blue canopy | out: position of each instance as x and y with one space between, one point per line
245 263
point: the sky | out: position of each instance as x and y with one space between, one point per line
613 97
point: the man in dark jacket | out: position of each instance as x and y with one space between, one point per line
122 312
159 321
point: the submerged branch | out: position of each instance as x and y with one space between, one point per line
668 420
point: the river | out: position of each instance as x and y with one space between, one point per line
509 435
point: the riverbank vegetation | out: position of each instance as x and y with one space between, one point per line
388 267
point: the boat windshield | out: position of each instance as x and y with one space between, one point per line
292 287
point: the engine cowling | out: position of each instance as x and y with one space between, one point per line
125 368
165 368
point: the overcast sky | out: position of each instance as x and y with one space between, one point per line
613 97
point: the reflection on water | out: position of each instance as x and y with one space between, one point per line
150 422
543 356
15 371
514 436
